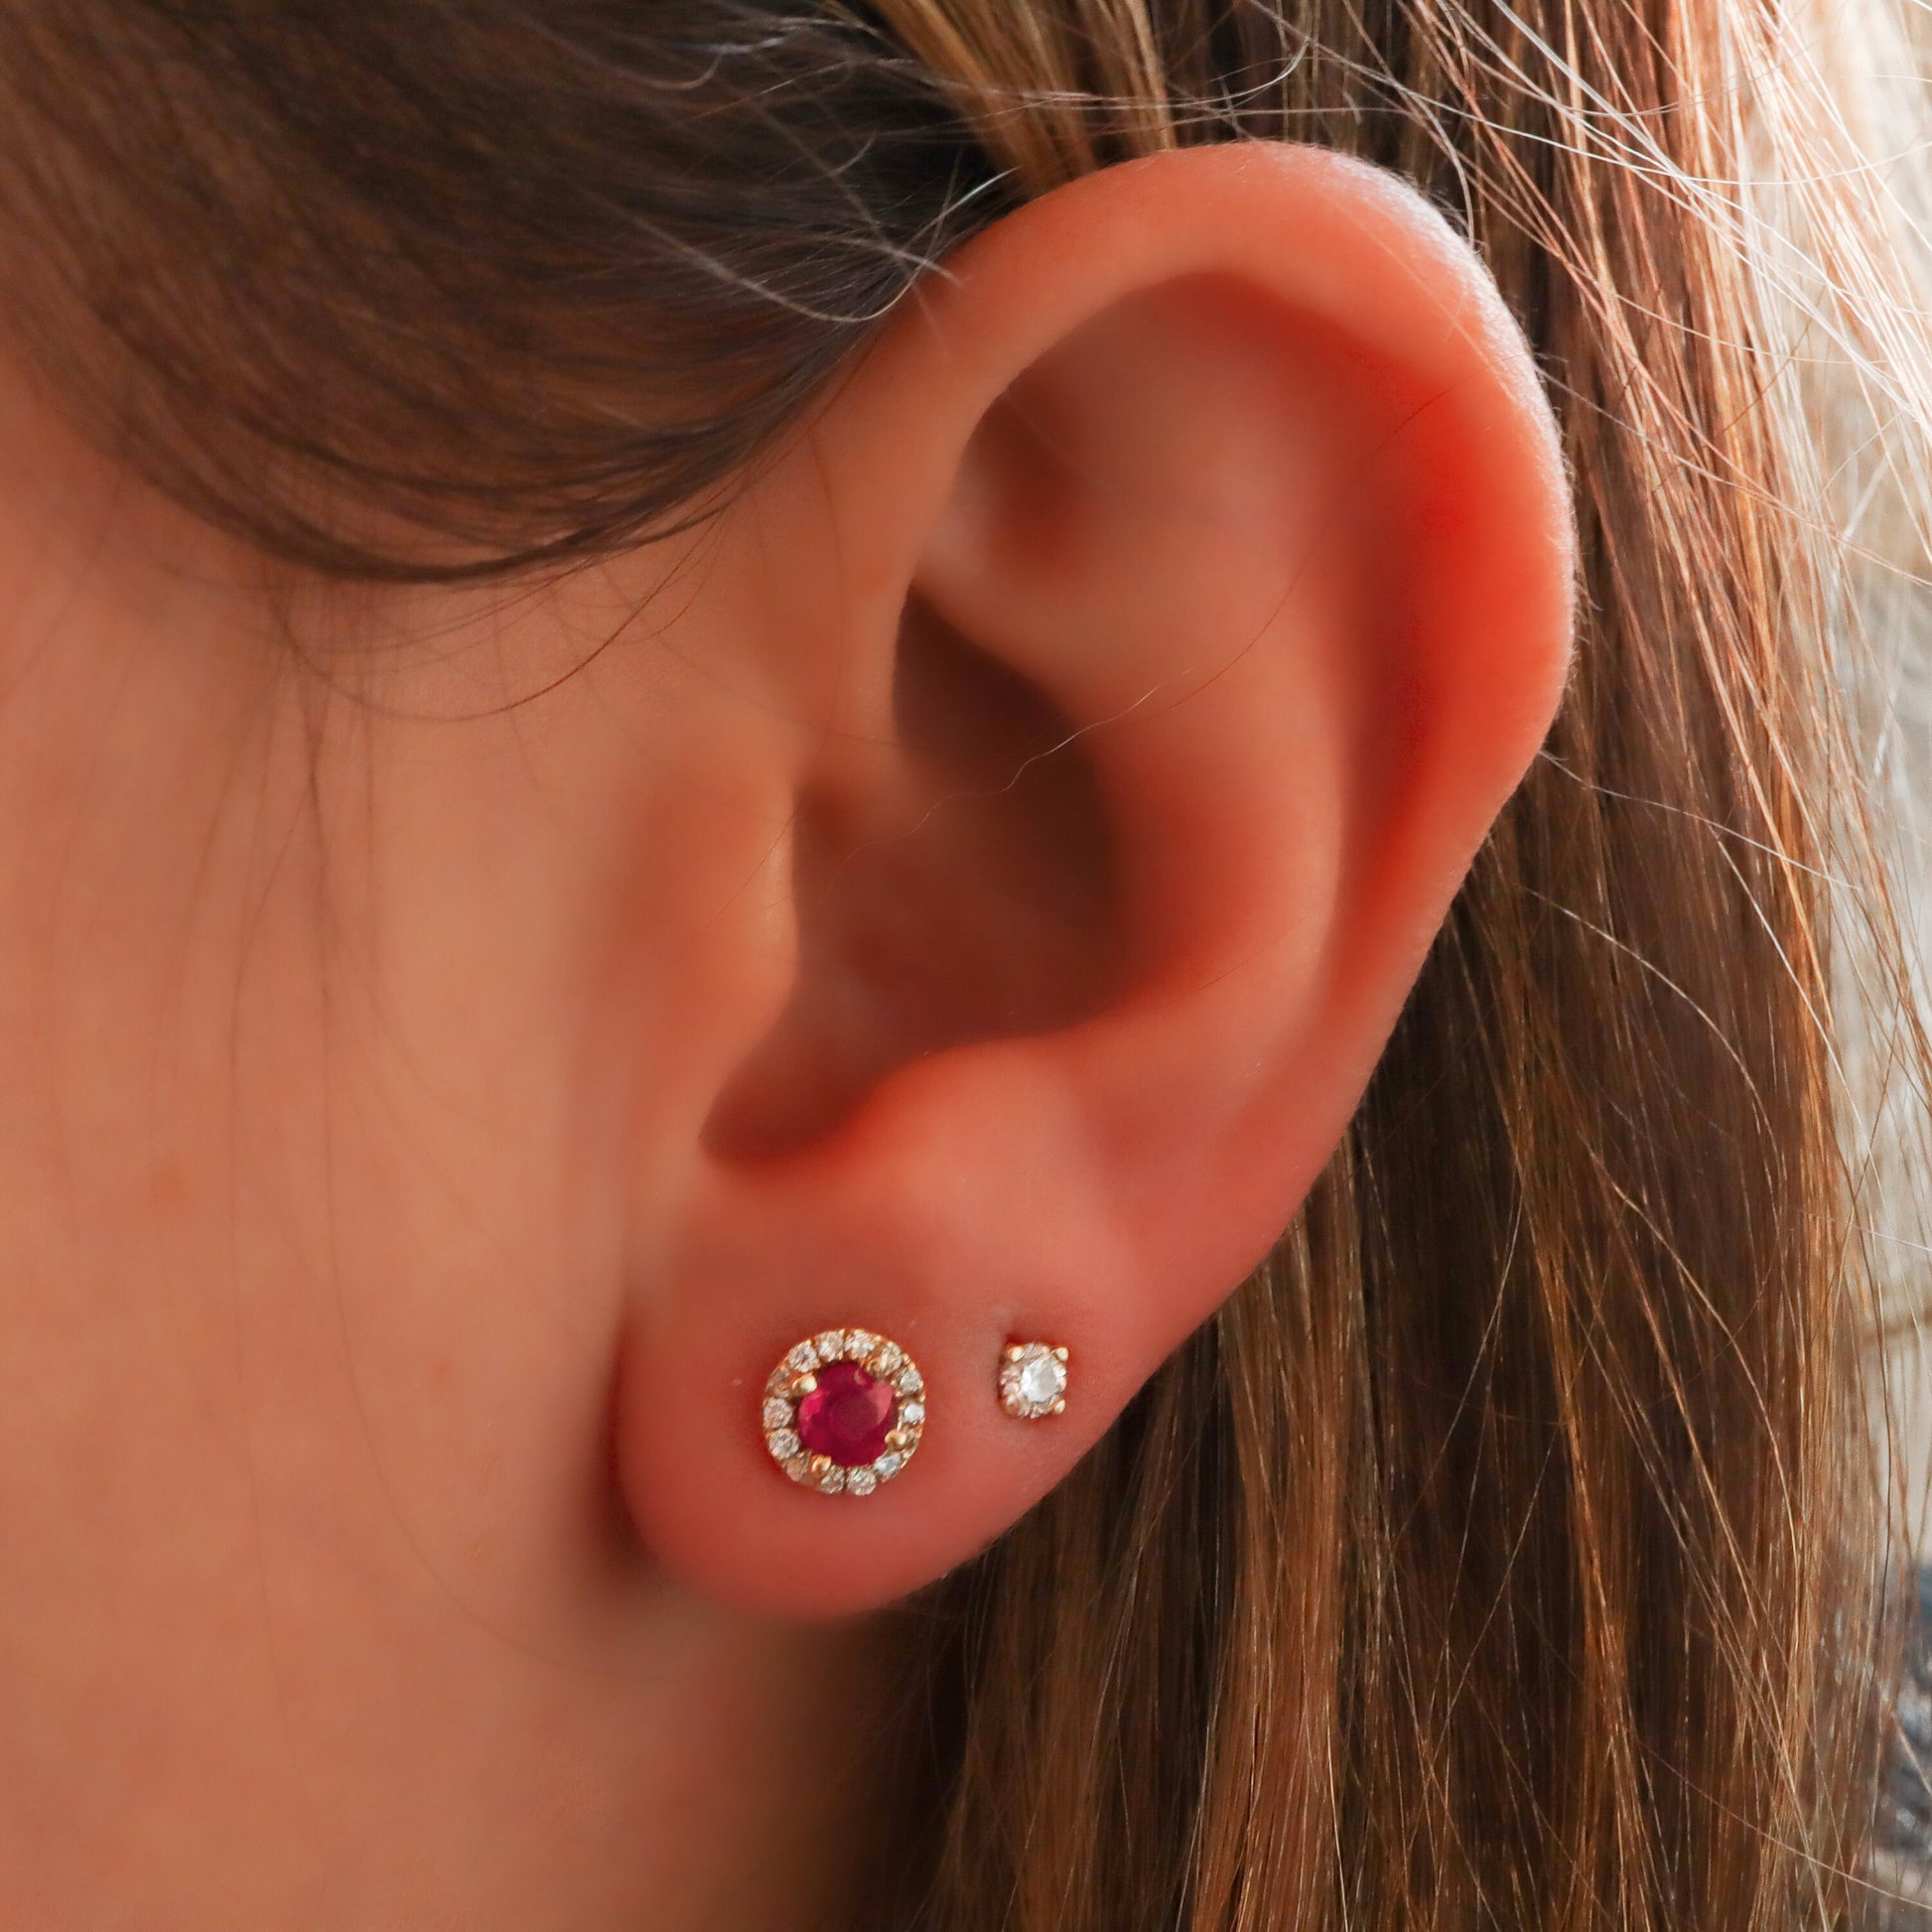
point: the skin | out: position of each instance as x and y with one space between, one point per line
438 1087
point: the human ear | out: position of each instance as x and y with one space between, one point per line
1199 565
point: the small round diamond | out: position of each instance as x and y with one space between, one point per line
860 1483
1033 1380
909 1381
777 1412
887 1467
912 1414
828 1346
784 1445
802 1360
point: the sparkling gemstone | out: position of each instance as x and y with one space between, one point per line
802 1361
913 1414
910 1382
828 1346
890 1358
887 1467
777 1414
1039 1380
860 1483
859 1344
1032 1384
846 1416
784 1446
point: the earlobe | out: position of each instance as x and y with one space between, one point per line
1203 574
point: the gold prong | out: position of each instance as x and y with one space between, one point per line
1061 1353
1060 1406
1014 1352
800 1386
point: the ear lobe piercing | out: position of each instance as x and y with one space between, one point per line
844 1412
1033 1380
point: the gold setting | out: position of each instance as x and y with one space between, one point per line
1033 1380
795 1378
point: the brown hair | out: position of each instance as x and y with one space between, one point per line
1499 1556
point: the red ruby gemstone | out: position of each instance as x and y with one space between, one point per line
846 1416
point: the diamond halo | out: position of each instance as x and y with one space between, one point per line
843 1412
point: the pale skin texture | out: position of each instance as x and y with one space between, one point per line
428 1113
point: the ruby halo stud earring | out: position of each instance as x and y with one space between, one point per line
844 1412
1033 1380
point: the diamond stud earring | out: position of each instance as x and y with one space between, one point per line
1033 1380
844 1412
